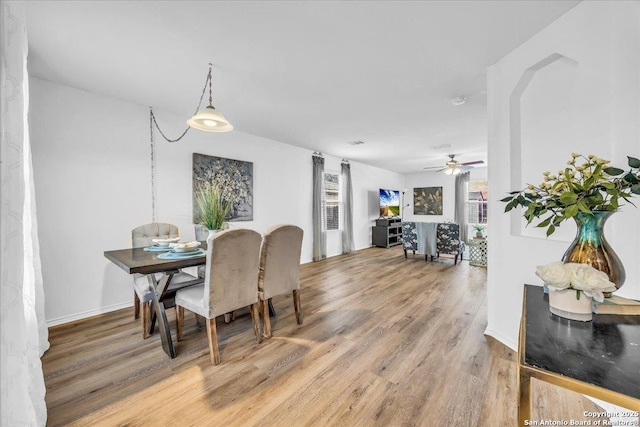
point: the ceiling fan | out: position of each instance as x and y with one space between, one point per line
454 167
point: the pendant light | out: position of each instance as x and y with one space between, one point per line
210 119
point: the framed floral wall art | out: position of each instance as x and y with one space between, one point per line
427 201
233 177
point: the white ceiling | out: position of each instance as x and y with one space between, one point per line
315 74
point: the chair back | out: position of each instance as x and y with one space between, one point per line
141 236
280 260
409 236
231 272
448 239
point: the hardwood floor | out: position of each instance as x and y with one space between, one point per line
385 341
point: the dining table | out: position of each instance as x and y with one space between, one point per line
141 261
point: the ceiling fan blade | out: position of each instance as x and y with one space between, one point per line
432 167
477 162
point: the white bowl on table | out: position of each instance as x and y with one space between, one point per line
185 247
163 243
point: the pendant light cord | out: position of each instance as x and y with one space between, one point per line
153 169
204 90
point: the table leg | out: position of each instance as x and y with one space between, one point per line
524 396
159 288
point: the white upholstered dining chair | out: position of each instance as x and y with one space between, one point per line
231 277
280 269
141 237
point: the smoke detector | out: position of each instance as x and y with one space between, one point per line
437 147
459 100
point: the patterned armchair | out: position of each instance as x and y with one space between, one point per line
411 240
448 241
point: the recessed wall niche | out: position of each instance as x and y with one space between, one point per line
545 110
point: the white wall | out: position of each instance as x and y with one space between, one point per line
91 160
573 87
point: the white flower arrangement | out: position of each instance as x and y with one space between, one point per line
581 277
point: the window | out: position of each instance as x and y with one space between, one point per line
332 200
477 202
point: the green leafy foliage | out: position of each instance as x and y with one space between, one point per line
212 205
588 184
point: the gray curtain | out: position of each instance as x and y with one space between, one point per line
318 214
347 229
462 197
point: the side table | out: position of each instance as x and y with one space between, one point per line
597 358
478 252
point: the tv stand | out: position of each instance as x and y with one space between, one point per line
387 232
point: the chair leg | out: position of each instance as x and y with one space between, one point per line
146 319
296 305
255 318
212 334
136 305
405 253
179 321
455 260
272 310
198 319
266 319
227 317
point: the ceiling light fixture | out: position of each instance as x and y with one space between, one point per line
454 167
209 119
452 171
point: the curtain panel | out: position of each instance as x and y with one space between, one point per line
347 229
23 331
318 213
461 198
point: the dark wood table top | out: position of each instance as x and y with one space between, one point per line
137 260
604 352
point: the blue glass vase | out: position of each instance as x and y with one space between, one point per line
590 247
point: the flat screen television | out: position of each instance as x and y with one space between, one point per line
389 203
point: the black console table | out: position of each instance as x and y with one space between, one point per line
387 232
600 358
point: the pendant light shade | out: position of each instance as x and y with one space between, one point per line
210 120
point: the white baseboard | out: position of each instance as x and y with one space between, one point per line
85 314
503 339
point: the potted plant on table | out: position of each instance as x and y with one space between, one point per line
479 229
212 206
588 190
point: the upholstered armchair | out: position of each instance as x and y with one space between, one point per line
141 237
448 241
280 269
231 277
409 237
